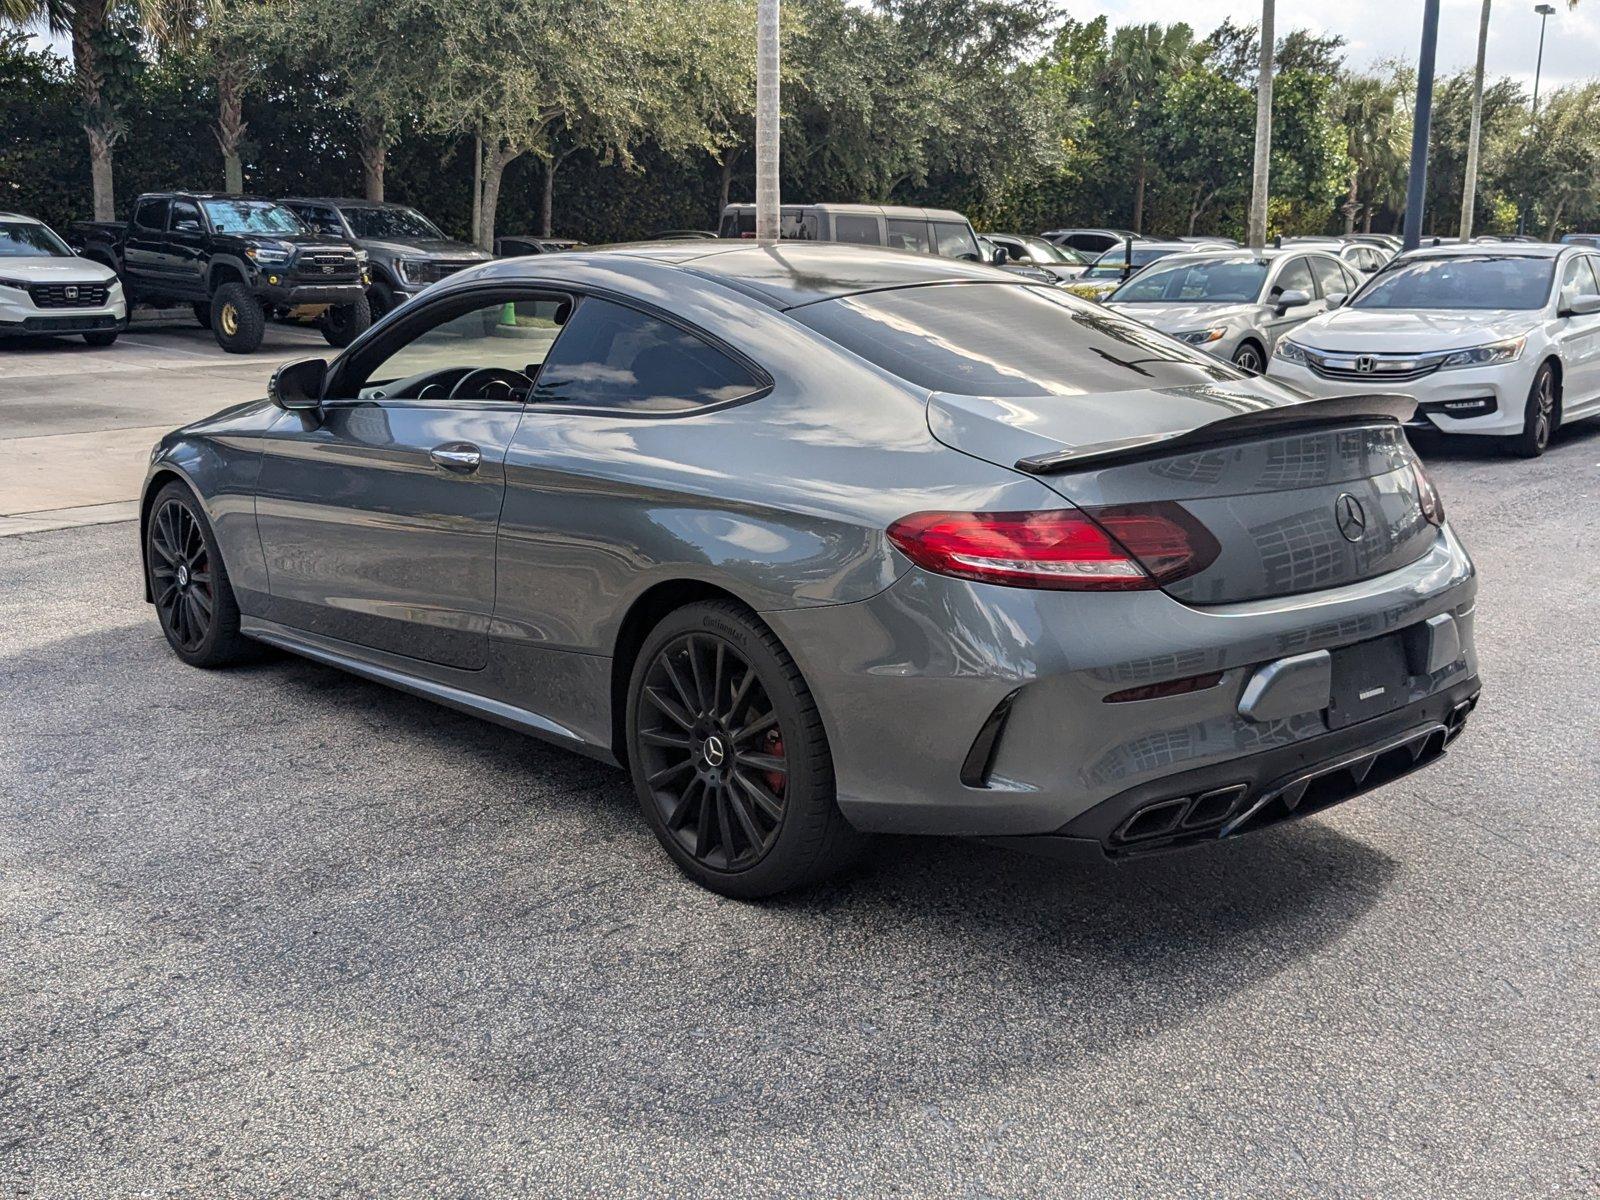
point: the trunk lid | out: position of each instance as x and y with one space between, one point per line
1300 495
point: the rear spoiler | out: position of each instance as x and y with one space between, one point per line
1307 414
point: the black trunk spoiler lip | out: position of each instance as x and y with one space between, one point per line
1383 407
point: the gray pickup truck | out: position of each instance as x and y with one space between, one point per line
407 251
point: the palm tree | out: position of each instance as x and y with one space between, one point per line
1369 110
1141 60
84 22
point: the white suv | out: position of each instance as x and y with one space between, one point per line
1501 340
47 289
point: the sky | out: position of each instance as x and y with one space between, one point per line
1375 30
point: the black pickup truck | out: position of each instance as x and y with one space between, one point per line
239 261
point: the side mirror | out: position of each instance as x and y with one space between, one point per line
1000 256
1288 300
1337 299
297 386
1581 306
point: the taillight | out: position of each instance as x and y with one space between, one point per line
1116 548
1428 495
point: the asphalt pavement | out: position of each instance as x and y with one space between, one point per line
275 931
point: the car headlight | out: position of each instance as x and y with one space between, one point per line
1202 337
410 270
1486 356
1290 351
13 283
269 254
362 256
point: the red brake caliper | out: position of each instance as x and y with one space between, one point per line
775 780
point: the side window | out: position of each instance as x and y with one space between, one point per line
797 225
1352 281
319 219
1330 276
617 358
955 241
906 234
1295 277
185 217
862 231
499 343
1578 280
151 214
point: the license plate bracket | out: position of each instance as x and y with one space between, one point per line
1369 679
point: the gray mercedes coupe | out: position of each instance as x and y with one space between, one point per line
819 541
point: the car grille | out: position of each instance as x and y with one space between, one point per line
69 295
1373 368
432 270
328 265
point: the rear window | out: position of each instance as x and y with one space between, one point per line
997 339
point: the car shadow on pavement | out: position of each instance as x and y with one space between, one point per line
1438 447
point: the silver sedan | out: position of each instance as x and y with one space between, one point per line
1236 304
818 541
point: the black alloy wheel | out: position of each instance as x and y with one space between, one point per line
189 583
180 576
713 750
1541 417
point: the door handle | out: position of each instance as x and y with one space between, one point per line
462 457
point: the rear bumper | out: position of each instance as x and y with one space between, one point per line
910 682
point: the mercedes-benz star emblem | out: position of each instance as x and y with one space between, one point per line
1366 364
713 751
1352 518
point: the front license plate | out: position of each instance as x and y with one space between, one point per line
1369 679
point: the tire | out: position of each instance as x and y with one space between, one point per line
1249 357
237 321
184 569
769 827
381 299
102 337
343 323
1541 417
202 313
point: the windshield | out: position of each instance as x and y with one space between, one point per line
251 216
20 239
1475 282
1109 265
997 339
1043 251
1233 281
390 223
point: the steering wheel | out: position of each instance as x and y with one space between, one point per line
475 383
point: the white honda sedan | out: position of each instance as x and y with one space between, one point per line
1502 341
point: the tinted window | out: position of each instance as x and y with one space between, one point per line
1229 281
860 230
1475 282
151 214
614 357
322 220
185 217
1295 277
1006 340
908 235
1330 276
467 334
797 225
954 241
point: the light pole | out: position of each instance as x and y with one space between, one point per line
767 121
1544 11
1417 186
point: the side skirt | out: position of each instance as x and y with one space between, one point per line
390 670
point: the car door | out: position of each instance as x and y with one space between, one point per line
1578 338
378 514
142 249
1293 276
183 253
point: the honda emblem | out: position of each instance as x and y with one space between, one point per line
1366 364
70 292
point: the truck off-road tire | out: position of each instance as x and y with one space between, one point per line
381 299
343 323
202 313
102 337
237 321
729 756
